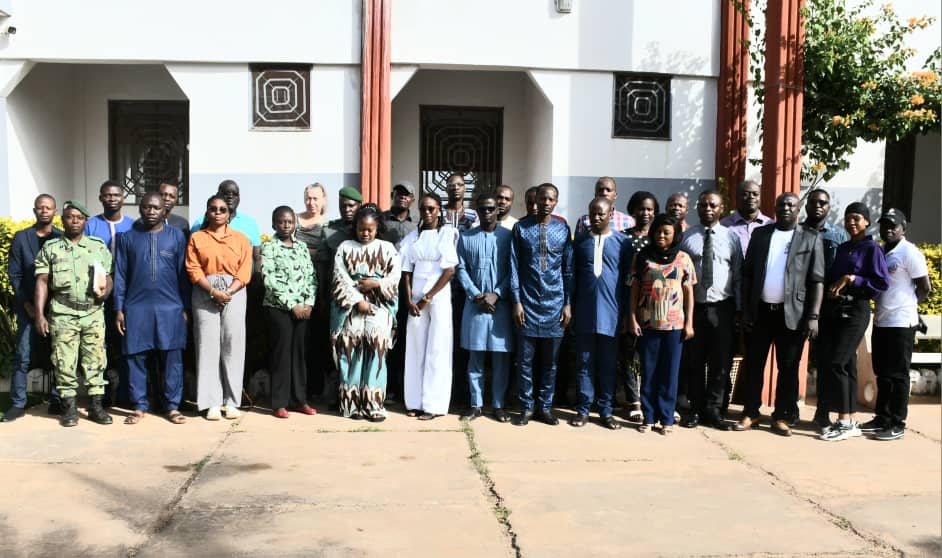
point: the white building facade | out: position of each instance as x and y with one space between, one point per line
520 91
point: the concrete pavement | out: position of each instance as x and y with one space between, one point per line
327 486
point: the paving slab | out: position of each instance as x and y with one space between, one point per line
363 468
505 442
329 422
39 438
82 509
327 532
911 523
659 509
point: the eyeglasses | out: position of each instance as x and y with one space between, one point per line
217 209
487 209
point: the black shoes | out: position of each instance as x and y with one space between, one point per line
69 415
578 421
716 421
474 413
691 421
547 417
501 415
890 433
55 408
524 418
97 413
13 413
872 426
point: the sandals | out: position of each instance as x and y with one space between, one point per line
377 417
666 430
176 417
428 416
610 423
642 428
412 413
635 416
134 417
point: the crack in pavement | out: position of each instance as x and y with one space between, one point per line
875 544
164 517
501 512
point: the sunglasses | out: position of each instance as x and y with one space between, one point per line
217 209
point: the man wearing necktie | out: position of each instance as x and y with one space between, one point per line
717 258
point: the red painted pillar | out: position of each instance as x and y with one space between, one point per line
781 124
376 106
732 96
781 145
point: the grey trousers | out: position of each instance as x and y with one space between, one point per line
220 347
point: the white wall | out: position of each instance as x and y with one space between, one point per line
636 35
40 125
466 88
323 31
272 167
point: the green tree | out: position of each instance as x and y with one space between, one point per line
856 86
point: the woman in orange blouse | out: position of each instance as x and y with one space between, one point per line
219 263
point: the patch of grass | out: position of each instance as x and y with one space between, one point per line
367 429
733 456
198 466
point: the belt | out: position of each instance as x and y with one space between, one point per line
777 307
80 306
717 303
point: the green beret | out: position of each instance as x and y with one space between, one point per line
75 204
351 193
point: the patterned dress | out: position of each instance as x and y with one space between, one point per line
360 341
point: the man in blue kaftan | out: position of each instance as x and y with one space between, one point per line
540 287
599 297
152 296
486 326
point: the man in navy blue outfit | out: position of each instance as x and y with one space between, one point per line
26 244
540 287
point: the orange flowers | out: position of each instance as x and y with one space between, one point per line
917 100
925 78
869 85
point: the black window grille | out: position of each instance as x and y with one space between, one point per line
149 145
468 140
642 106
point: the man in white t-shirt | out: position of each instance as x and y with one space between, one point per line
782 288
894 322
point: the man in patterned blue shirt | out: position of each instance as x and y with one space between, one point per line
540 288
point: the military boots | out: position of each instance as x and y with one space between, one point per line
97 413
69 416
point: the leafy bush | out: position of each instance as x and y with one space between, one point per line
933 305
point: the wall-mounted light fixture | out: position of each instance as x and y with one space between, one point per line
564 6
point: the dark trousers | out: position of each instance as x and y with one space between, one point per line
770 328
169 368
627 351
396 359
117 388
548 349
708 353
23 348
287 360
842 328
892 353
596 358
660 353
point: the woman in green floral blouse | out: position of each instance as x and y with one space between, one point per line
290 291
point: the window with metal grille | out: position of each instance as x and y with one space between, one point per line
149 145
642 106
281 96
468 140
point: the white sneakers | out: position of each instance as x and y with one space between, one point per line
231 412
213 413
838 432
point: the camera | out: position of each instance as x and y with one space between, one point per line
8 30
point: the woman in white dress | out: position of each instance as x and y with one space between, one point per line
429 258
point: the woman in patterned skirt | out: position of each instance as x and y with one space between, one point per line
365 294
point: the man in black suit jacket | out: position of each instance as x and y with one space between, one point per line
782 287
26 244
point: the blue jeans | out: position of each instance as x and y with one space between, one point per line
20 364
548 348
500 377
597 356
660 364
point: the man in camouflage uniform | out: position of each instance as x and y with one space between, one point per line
65 275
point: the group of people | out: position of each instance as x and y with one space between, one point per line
393 300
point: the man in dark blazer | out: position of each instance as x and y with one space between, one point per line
782 287
26 244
